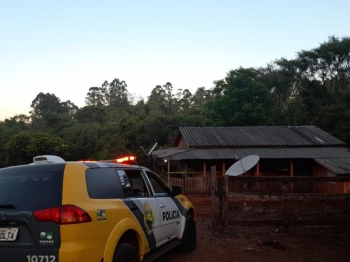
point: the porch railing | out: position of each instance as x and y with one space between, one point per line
267 185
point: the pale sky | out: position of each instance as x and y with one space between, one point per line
66 47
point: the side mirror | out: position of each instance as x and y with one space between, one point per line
177 190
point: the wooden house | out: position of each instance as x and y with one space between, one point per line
283 151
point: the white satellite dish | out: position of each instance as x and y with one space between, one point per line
242 165
153 147
151 150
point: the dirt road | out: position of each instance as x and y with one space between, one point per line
253 244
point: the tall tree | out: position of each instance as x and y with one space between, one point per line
117 93
183 101
283 81
199 98
48 112
325 88
117 99
169 99
157 101
241 99
96 96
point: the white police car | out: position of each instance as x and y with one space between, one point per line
54 210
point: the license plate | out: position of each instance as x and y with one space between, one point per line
8 234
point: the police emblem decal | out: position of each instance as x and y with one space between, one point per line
148 218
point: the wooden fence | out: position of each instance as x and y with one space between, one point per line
287 206
264 185
192 185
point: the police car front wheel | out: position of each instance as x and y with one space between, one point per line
125 253
189 238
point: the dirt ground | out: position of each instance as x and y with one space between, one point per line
264 243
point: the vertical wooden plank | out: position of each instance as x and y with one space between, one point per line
191 184
259 185
225 189
285 207
223 168
186 182
219 196
169 173
183 182
291 173
214 200
204 169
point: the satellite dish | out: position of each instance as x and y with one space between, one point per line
153 147
242 165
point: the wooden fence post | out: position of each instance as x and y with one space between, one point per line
220 196
225 191
285 207
220 202
214 198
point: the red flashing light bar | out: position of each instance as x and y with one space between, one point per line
126 159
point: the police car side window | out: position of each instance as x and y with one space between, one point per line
132 183
160 190
103 183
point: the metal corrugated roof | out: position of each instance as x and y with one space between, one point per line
176 153
256 136
337 165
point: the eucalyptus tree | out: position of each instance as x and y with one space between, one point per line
170 100
157 101
183 101
199 98
96 96
117 100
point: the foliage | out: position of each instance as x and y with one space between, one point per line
22 147
49 112
17 149
325 89
311 89
42 143
241 99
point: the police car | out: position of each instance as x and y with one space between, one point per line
57 211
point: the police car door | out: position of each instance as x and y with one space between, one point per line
170 215
140 201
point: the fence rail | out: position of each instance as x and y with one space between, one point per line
192 185
316 204
268 185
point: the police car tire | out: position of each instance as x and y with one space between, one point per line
125 253
189 238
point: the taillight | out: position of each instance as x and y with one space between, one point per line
66 214
49 214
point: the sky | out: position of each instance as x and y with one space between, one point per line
66 47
